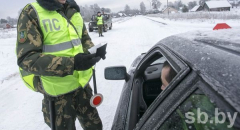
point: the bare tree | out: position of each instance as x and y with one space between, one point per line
178 4
192 4
170 4
185 8
87 12
127 9
142 7
156 4
96 8
202 2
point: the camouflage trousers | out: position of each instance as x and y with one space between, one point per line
100 29
71 106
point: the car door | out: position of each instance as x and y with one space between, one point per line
198 107
136 101
179 106
120 119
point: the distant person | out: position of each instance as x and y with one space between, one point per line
100 23
52 54
167 75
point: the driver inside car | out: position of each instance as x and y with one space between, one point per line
167 75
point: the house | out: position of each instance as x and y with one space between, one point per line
169 10
121 15
5 26
196 8
217 5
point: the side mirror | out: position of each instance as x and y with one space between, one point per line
116 73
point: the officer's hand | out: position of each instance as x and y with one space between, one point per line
101 52
85 61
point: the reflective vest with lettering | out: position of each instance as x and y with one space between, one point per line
60 39
100 20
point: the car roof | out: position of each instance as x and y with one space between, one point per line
215 55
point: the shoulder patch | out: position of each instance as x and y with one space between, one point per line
22 36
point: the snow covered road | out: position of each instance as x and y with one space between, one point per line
20 108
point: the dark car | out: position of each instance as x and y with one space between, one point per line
107 18
204 94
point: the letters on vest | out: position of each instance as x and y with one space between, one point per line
51 23
60 39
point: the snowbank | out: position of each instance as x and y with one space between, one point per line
201 16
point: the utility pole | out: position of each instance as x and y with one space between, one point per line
167 8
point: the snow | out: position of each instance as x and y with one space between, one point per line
21 108
218 4
232 37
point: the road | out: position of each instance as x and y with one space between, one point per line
20 108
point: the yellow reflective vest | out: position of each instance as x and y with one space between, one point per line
99 20
59 39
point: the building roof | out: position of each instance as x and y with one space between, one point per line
169 8
194 9
218 4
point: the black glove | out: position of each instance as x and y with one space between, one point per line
101 52
85 61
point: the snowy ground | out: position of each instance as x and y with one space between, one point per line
21 108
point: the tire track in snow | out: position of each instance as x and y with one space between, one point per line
156 21
9 77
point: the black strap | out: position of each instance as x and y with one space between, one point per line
60 12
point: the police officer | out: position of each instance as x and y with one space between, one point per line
100 23
52 54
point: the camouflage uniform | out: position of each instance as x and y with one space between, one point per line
100 30
71 106
30 58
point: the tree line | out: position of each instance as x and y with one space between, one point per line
88 11
156 4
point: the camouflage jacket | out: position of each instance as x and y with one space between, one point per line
30 44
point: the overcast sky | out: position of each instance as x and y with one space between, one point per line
11 7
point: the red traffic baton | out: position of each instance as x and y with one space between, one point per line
97 99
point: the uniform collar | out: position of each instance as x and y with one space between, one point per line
53 5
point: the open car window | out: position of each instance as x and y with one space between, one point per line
148 80
152 84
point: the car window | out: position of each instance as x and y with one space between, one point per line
152 94
158 75
198 112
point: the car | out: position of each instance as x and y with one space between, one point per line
107 18
207 84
